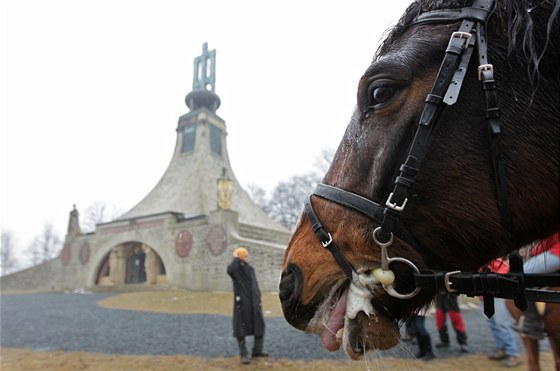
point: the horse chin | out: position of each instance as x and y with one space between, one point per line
366 333
347 317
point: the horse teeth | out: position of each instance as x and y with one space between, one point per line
339 335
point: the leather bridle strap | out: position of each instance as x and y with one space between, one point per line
373 211
486 75
477 13
458 43
506 285
327 241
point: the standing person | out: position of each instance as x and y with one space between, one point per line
446 304
507 348
422 336
544 258
247 310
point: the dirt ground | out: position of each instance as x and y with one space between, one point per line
179 301
21 359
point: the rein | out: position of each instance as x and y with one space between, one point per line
445 92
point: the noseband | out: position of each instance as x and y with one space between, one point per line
445 91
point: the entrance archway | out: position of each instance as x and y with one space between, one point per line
131 263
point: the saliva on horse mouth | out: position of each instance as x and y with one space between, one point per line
348 319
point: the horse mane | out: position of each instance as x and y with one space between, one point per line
516 19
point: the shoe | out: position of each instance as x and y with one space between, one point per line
497 355
511 361
261 354
245 360
463 349
442 345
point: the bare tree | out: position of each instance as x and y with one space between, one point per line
323 162
286 202
258 195
8 262
288 197
44 246
96 213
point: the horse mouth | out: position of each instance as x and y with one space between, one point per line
346 318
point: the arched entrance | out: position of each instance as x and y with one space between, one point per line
131 263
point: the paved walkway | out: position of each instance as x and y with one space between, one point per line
73 322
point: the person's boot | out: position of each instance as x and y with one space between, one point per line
243 354
462 340
443 338
258 347
425 348
421 347
429 354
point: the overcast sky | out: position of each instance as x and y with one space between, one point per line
91 92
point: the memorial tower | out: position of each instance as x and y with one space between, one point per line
184 232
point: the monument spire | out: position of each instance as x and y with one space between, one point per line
204 82
205 70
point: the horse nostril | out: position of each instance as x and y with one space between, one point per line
290 285
289 292
296 313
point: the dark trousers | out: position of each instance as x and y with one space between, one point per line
424 339
257 346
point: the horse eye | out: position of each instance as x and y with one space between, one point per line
382 94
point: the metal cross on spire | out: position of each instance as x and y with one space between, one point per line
205 70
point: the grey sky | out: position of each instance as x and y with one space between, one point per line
91 92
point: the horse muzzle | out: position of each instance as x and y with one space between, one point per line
343 314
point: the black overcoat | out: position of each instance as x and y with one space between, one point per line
247 308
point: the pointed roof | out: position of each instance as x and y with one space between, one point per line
200 161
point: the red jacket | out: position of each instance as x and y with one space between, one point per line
499 265
550 244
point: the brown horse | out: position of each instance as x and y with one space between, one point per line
461 197
551 324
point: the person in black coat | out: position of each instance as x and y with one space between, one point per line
247 309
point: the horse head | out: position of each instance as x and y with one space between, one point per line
428 127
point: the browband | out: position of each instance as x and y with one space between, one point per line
454 15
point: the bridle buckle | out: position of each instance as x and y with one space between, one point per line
394 206
485 67
462 35
448 283
327 243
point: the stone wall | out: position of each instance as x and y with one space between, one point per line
194 252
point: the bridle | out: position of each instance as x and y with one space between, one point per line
445 91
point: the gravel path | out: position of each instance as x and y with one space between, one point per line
73 322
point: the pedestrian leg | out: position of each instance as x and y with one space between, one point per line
244 355
258 347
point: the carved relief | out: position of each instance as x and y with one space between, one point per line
183 243
217 240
